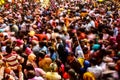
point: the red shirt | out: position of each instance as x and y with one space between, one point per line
41 36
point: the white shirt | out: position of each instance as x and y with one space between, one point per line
79 52
96 70
92 23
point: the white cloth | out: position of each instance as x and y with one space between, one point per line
96 70
79 52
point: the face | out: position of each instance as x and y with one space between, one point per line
70 58
113 53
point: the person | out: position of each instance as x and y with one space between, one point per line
38 71
44 62
31 76
53 54
95 69
72 75
12 58
65 74
53 74
13 74
73 62
61 67
61 50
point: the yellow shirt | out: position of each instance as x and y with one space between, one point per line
88 76
53 76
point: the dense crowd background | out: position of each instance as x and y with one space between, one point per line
60 40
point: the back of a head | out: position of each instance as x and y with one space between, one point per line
31 74
42 43
9 49
53 67
42 54
93 61
72 74
109 51
71 54
29 67
58 62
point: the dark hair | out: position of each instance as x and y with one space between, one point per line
42 43
73 75
108 52
71 54
9 49
58 62
51 49
85 50
93 61
31 74
67 68
29 67
41 54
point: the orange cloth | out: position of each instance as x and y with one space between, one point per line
96 24
67 21
82 36
45 63
84 14
41 36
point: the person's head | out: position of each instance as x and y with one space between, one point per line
51 49
72 74
111 53
31 74
58 62
41 54
29 67
8 49
70 57
67 68
34 42
56 30
42 43
58 39
93 61
53 67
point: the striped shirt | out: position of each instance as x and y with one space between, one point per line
12 60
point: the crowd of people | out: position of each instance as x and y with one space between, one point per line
64 40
